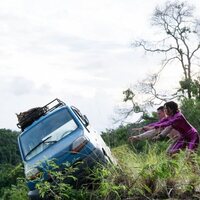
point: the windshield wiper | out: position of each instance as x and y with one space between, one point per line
43 141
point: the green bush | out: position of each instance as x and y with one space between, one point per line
19 191
151 174
191 110
9 175
9 151
116 137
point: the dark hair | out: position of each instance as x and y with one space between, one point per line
161 108
172 105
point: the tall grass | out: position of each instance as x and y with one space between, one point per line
152 174
145 174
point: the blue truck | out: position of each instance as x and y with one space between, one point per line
58 132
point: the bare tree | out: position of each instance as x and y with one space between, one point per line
148 86
181 40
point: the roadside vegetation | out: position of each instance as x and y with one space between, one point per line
144 170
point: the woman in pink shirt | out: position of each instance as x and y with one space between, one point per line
189 137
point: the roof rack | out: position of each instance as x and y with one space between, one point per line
28 117
53 105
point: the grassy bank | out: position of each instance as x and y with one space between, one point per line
147 173
151 174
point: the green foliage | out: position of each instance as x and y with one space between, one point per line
153 175
12 183
9 175
60 185
149 172
9 151
191 110
101 183
16 192
116 137
109 186
10 167
195 87
128 95
144 170
185 84
192 85
119 136
145 174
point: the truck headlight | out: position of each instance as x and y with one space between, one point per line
78 144
32 174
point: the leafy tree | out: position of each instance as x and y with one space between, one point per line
195 87
8 176
16 192
191 109
9 152
115 137
10 167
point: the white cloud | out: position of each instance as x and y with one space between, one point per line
79 51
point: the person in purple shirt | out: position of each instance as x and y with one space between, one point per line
153 133
189 137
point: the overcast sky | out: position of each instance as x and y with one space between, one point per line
76 50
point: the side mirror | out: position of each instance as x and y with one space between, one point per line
86 120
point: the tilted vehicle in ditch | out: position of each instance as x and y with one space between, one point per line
61 133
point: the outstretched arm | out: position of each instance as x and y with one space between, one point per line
166 131
146 135
163 133
177 118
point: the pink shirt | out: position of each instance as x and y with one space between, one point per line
179 123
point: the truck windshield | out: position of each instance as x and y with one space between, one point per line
47 132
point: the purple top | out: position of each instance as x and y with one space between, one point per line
179 123
155 123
